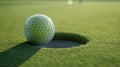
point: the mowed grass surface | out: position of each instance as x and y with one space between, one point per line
98 21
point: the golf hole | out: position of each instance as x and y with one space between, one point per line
66 40
60 44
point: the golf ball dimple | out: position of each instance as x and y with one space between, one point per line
39 29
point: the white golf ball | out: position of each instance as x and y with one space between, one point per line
39 29
70 2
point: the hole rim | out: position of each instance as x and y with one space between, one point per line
71 37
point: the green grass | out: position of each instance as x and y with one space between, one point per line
97 21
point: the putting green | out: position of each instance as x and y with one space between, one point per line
97 21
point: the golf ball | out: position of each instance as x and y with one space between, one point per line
39 29
70 2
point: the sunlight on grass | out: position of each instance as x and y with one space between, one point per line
97 21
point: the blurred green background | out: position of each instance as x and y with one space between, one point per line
97 20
